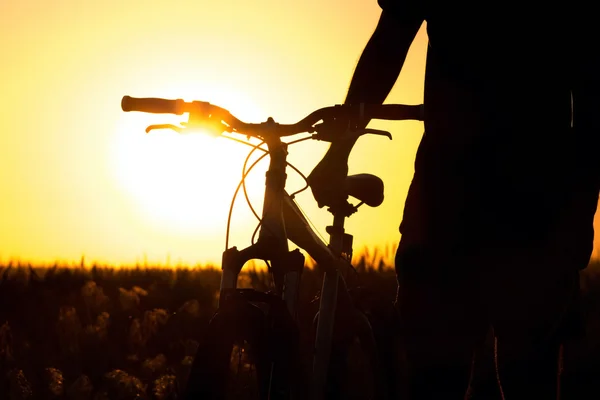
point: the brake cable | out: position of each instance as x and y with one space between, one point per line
242 184
238 189
245 174
288 163
244 180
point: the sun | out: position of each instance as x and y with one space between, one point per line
182 183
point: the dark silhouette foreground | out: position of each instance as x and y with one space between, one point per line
132 333
498 221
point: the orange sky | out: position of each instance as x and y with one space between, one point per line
80 177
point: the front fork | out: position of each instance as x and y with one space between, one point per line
272 244
290 265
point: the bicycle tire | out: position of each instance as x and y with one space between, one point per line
355 366
385 324
244 326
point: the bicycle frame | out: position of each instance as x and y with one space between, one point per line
282 220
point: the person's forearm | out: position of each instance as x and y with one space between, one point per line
381 61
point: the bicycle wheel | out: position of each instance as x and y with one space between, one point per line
355 369
243 356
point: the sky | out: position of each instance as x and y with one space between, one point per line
80 178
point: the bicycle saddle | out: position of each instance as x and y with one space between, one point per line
367 188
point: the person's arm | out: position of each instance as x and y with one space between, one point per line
383 57
374 76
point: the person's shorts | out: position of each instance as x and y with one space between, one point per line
468 259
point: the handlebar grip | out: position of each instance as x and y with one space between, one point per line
153 105
398 112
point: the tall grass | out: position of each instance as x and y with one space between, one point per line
72 332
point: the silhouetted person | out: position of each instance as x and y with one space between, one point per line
499 216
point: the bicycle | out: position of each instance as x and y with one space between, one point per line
264 323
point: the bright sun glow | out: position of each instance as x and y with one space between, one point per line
180 182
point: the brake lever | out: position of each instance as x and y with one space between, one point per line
187 126
378 132
175 128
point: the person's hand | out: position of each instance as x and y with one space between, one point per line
332 129
327 180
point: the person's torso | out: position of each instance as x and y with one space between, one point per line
498 106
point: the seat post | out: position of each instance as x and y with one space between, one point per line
339 241
336 233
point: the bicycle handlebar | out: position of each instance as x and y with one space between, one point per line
153 105
204 112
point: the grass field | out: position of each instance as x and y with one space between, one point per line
69 332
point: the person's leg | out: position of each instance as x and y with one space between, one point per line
484 381
533 296
441 322
530 295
